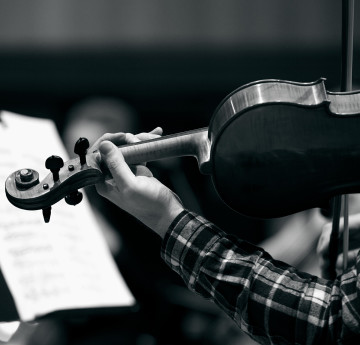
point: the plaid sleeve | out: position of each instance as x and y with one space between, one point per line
270 300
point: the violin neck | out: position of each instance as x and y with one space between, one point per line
192 143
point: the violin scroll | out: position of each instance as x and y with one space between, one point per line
24 190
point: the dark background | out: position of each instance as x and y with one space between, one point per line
173 62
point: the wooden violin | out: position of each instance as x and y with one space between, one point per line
273 148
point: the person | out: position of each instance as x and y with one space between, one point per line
268 299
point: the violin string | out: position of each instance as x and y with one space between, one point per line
346 85
334 236
346 232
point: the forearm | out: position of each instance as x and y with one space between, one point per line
266 298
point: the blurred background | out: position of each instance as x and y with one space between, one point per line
172 60
98 66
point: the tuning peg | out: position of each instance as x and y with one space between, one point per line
74 198
80 149
46 214
54 163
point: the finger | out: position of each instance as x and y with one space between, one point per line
354 219
131 138
114 160
147 136
354 223
350 259
354 232
116 138
155 133
323 243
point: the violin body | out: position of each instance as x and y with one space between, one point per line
281 147
273 148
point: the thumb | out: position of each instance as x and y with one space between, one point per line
114 160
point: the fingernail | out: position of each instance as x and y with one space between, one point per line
105 147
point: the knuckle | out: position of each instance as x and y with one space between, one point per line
105 136
131 138
112 136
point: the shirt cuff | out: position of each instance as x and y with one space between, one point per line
186 243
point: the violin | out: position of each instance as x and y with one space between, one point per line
272 148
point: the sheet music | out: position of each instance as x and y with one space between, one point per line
66 263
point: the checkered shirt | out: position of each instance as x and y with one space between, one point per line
269 300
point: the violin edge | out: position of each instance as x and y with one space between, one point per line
265 92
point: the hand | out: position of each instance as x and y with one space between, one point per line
136 190
354 245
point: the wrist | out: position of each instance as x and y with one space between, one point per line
166 219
